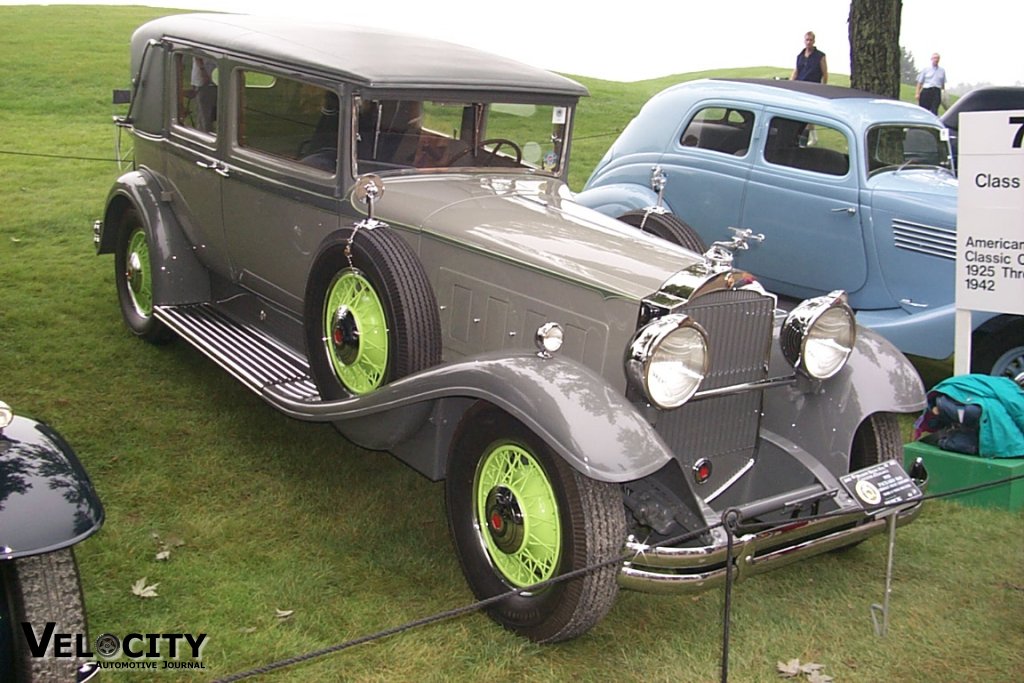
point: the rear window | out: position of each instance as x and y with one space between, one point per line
196 87
719 130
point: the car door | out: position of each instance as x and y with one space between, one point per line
803 196
707 165
192 165
281 190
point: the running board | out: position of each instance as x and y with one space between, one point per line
256 359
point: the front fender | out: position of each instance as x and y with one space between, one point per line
617 199
46 499
583 419
178 276
822 417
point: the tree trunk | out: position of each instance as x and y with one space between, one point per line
875 46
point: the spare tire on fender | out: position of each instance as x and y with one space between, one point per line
370 314
667 226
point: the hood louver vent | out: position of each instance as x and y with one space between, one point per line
925 239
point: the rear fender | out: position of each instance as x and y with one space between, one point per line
178 276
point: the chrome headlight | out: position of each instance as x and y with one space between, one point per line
549 338
818 335
667 360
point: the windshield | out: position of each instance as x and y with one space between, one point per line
430 134
894 147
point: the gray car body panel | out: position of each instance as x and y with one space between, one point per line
590 424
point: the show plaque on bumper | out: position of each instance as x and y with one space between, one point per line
882 488
875 494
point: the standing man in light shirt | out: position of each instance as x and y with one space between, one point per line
930 84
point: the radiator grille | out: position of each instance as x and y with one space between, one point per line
739 327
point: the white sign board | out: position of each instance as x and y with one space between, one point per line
990 221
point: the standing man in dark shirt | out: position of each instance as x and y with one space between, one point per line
810 66
810 63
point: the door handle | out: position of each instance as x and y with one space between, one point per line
214 166
848 210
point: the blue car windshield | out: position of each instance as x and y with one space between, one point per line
894 147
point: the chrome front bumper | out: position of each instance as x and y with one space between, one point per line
691 570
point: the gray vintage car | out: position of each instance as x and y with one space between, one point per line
374 230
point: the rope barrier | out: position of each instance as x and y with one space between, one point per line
731 519
55 156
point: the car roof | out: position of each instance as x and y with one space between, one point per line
857 107
987 98
368 56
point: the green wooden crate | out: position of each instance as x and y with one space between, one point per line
948 471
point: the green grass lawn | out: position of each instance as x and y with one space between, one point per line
262 513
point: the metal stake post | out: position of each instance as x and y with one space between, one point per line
882 630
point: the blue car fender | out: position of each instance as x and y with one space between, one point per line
619 198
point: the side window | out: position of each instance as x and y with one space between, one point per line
721 130
288 119
196 84
807 146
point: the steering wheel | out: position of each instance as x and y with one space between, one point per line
498 144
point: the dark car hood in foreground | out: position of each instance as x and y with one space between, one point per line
46 499
534 221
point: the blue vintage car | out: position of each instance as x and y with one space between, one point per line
849 191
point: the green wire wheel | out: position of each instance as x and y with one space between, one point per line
370 313
520 517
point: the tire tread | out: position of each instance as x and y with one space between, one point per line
45 588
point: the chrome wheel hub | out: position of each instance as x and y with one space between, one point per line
344 335
505 519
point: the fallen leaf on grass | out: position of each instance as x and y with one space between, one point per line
789 669
247 629
140 589
794 668
165 545
283 614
